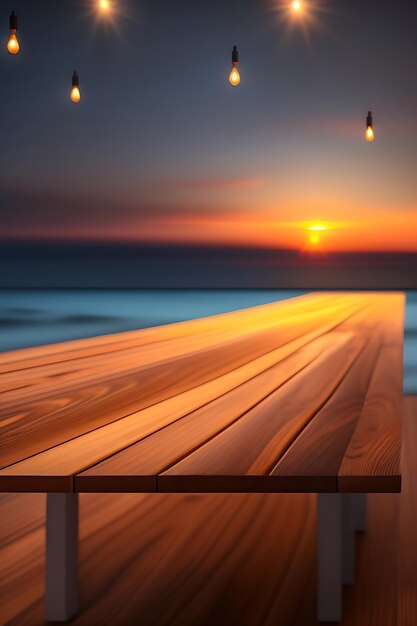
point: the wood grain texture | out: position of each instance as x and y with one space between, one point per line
384 316
372 458
197 552
54 378
241 457
38 356
212 404
58 416
162 449
50 416
316 455
61 462
236 560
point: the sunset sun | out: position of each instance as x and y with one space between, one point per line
314 239
318 227
315 231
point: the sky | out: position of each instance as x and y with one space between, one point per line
162 150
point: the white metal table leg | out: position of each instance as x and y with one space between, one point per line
338 517
61 556
329 557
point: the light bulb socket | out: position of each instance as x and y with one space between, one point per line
235 55
369 119
13 22
75 80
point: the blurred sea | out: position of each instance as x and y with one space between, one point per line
29 318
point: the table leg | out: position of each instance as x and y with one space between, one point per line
61 556
353 520
348 540
359 511
329 557
338 517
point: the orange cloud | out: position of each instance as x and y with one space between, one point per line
256 229
240 219
382 233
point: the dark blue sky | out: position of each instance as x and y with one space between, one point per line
162 149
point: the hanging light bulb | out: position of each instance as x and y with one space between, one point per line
13 44
75 91
369 129
234 76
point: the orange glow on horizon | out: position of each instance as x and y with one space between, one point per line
247 230
343 236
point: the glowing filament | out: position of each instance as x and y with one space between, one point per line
369 134
75 94
234 77
13 44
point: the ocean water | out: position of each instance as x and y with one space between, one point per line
29 318
410 344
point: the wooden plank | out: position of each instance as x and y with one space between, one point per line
55 418
56 374
372 459
34 357
124 536
241 457
316 455
52 377
53 469
66 411
384 314
84 406
126 470
64 378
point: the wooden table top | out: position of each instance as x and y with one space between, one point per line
300 395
